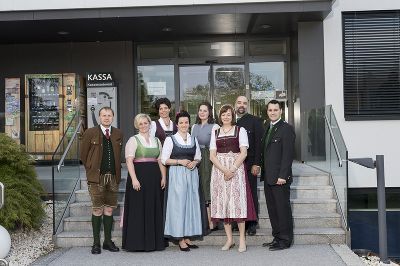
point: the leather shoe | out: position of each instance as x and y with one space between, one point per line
278 246
252 231
96 249
184 249
192 246
268 244
110 247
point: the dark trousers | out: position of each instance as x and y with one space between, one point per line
253 186
280 212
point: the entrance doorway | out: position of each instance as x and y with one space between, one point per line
221 84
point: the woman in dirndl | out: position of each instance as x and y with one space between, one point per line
202 131
183 220
231 199
143 209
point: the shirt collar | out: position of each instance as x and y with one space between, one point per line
274 123
103 129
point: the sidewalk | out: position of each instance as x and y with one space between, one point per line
298 255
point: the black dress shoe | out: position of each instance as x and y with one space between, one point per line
110 247
184 249
252 231
96 249
268 244
278 246
192 246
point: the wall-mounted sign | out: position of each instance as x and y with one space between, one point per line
281 95
156 88
100 79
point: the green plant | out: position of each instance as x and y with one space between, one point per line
23 206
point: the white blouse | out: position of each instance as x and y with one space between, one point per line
131 145
153 126
243 139
169 145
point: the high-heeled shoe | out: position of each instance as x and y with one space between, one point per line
242 249
226 247
184 249
192 246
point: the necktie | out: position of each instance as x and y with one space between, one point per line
269 133
107 133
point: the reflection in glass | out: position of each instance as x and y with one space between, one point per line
154 82
267 82
194 88
228 85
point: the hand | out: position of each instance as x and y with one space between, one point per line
184 162
135 184
163 182
191 165
228 174
281 181
255 170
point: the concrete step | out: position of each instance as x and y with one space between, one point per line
301 220
304 192
298 205
309 192
313 180
218 238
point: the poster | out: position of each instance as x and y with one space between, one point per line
12 108
156 88
98 97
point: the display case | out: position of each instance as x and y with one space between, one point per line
50 104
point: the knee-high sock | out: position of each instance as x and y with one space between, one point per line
107 223
96 225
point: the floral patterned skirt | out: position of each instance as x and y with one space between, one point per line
231 200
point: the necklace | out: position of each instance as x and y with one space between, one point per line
167 125
226 131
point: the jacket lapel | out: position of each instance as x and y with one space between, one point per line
274 130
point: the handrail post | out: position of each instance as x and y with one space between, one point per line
380 174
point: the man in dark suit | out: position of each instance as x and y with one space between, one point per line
100 153
277 157
254 128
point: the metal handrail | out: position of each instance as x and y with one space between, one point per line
334 142
64 136
61 163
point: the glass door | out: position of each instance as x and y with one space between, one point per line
217 83
228 84
195 86
267 82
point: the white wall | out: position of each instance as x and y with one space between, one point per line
363 138
18 5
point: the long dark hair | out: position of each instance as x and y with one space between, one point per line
210 119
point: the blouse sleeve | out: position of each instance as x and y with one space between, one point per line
130 147
153 129
215 127
160 147
213 144
197 156
166 150
243 139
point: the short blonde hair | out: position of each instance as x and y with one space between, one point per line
138 117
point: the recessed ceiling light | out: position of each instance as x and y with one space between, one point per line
167 29
63 33
100 31
265 26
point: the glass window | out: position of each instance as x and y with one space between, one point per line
210 49
260 48
156 51
155 81
267 82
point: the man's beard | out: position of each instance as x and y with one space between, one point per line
241 110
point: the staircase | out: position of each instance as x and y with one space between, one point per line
316 219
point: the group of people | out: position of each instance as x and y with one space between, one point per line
182 185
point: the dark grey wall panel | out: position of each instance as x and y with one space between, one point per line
18 60
311 73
